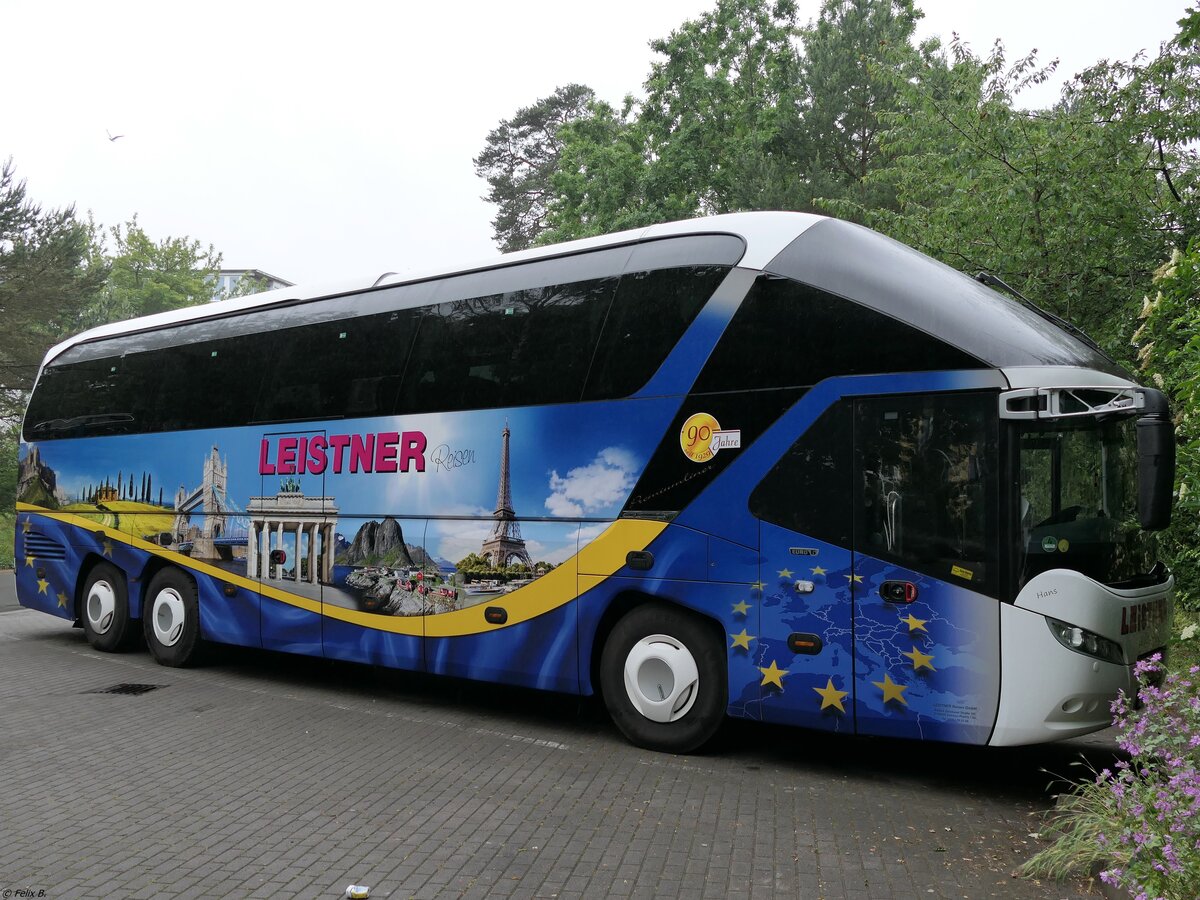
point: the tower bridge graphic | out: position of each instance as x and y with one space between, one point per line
225 525
505 544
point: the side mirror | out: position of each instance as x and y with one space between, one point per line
278 557
1156 463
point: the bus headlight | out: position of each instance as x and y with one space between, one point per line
1086 642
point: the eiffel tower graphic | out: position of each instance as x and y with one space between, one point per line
505 544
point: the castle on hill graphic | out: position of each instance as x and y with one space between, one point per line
199 522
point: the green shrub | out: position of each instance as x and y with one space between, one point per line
1169 353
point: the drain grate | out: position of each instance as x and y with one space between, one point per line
128 689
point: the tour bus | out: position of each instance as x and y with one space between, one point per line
764 465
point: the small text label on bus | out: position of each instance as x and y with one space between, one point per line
702 437
387 451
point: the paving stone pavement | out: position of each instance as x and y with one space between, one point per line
263 775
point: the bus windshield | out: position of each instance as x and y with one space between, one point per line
1078 507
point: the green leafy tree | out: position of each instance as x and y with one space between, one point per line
1070 205
1189 28
717 131
47 278
8 491
723 100
148 276
857 57
472 562
520 156
601 183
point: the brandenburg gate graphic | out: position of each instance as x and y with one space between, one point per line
290 515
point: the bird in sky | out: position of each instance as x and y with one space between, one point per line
111 136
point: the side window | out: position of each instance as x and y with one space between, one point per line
90 397
208 384
512 349
649 315
339 369
810 489
927 485
787 334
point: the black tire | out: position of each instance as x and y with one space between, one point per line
665 638
105 609
171 619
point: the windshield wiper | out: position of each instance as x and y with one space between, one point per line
993 281
79 421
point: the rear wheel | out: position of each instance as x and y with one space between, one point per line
171 619
106 620
663 678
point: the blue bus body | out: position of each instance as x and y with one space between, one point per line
818 466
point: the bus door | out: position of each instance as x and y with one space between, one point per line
290 539
801 635
925 574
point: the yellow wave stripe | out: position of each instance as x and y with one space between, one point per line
590 566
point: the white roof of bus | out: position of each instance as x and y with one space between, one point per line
765 234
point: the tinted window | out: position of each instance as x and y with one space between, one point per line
809 489
649 315
344 368
206 385
512 349
85 398
852 261
927 485
786 334
531 340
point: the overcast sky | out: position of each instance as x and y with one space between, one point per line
319 142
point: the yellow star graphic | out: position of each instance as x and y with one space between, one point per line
857 579
915 624
817 570
920 660
42 585
757 586
29 561
62 599
107 544
741 640
741 608
785 573
25 527
831 696
773 675
891 690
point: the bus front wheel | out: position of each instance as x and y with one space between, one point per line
663 678
106 622
171 619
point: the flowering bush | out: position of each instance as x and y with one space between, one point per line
1141 819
